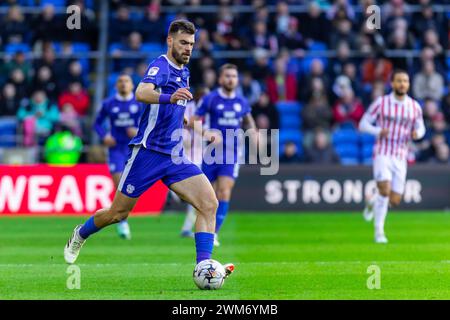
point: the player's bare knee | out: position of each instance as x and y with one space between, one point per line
395 201
385 192
208 205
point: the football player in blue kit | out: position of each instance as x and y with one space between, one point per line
123 112
165 91
225 111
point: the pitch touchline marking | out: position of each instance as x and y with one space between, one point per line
8 265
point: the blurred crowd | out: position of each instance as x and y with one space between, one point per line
332 90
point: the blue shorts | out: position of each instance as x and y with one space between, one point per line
145 167
213 171
117 157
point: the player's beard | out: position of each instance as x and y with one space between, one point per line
179 57
399 93
228 88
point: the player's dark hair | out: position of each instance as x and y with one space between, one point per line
398 71
227 66
182 26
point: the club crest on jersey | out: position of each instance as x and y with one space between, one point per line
220 107
134 108
130 188
153 71
237 107
115 109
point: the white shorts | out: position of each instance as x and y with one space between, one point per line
390 169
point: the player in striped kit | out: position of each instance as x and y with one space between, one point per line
395 120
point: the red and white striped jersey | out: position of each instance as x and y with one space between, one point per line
400 117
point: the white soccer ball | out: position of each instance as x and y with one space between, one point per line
209 275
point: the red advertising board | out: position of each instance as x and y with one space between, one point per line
79 189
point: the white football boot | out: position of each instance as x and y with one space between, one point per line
380 238
73 246
123 229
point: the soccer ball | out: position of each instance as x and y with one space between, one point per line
209 275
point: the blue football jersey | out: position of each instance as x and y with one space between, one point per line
222 113
158 122
122 114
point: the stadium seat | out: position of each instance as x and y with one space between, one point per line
56 3
366 152
288 107
366 139
345 137
152 47
112 78
347 151
318 46
290 122
8 131
13 48
348 154
349 161
115 46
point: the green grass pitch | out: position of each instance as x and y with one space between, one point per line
277 256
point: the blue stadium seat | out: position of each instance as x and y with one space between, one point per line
345 137
115 46
366 139
56 3
12 48
317 45
152 47
347 151
8 130
27 3
80 47
112 78
366 152
349 161
290 122
288 107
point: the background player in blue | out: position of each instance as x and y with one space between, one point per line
164 90
123 112
225 110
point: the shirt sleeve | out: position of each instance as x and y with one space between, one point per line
157 73
100 119
370 117
419 125
203 106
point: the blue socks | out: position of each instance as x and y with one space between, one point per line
222 211
204 245
88 228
